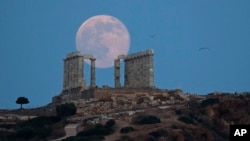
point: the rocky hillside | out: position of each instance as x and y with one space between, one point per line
195 120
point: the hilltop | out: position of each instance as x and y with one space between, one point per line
207 118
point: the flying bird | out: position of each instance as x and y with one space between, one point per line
152 36
204 48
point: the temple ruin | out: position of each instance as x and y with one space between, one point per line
139 70
73 71
138 91
138 73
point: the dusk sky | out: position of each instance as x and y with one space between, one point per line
35 37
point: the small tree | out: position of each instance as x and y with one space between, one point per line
22 100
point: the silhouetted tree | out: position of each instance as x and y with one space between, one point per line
22 100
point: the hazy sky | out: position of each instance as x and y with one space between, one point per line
35 36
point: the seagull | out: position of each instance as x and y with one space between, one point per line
152 36
204 48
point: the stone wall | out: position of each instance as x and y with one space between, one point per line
126 102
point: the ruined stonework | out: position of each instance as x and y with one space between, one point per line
126 100
139 70
117 70
74 79
138 77
73 71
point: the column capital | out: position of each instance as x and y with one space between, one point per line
92 59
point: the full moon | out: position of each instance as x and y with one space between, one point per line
104 37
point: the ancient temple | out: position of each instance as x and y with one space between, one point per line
138 75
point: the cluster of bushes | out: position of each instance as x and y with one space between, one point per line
159 133
80 138
66 109
39 127
125 130
145 119
95 133
125 138
210 101
186 120
7 126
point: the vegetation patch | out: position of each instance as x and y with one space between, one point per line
126 138
209 101
67 109
39 127
95 133
128 129
159 133
79 138
186 120
145 119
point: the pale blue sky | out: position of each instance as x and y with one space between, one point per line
35 36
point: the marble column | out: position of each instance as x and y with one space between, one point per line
117 73
92 73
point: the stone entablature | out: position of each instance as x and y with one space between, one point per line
139 54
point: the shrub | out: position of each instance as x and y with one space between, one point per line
43 132
25 133
110 123
99 125
209 101
193 104
36 127
178 112
41 121
66 109
126 138
159 133
98 130
146 119
127 129
150 138
95 132
77 138
224 112
173 126
7 126
186 120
